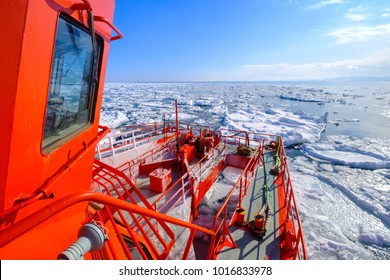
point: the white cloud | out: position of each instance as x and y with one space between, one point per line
327 3
356 17
356 14
386 15
359 33
378 65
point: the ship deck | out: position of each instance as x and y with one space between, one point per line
249 246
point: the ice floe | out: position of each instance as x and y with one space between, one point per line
294 127
350 151
112 119
374 237
341 216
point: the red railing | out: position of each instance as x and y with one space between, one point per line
130 168
297 244
114 183
149 234
130 137
221 222
205 172
177 194
112 206
174 196
294 244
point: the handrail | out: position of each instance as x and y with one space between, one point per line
180 192
129 165
300 243
111 146
38 217
124 193
108 146
249 133
87 6
106 21
164 194
253 162
181 181
205 164
138 223
220 221
81 6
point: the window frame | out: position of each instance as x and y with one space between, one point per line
91 92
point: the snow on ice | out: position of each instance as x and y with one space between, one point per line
112 119
350 151
294 127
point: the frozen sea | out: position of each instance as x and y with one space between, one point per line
337 136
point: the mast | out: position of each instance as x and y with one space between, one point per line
177 124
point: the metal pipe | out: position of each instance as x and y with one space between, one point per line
38 217
91 238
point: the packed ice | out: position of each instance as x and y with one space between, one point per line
113 119
294 127
338 148
346 150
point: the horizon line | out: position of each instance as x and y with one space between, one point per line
338 79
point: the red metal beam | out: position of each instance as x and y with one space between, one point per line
33 220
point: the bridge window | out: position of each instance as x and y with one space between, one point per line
71 99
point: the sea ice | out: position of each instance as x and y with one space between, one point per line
353 152
369 236
295 128
332 224
112 119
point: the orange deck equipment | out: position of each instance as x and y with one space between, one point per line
188 152
160 179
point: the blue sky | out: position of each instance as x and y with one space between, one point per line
249 40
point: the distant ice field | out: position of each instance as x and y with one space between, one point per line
338 139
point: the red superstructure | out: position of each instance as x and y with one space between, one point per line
31 175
